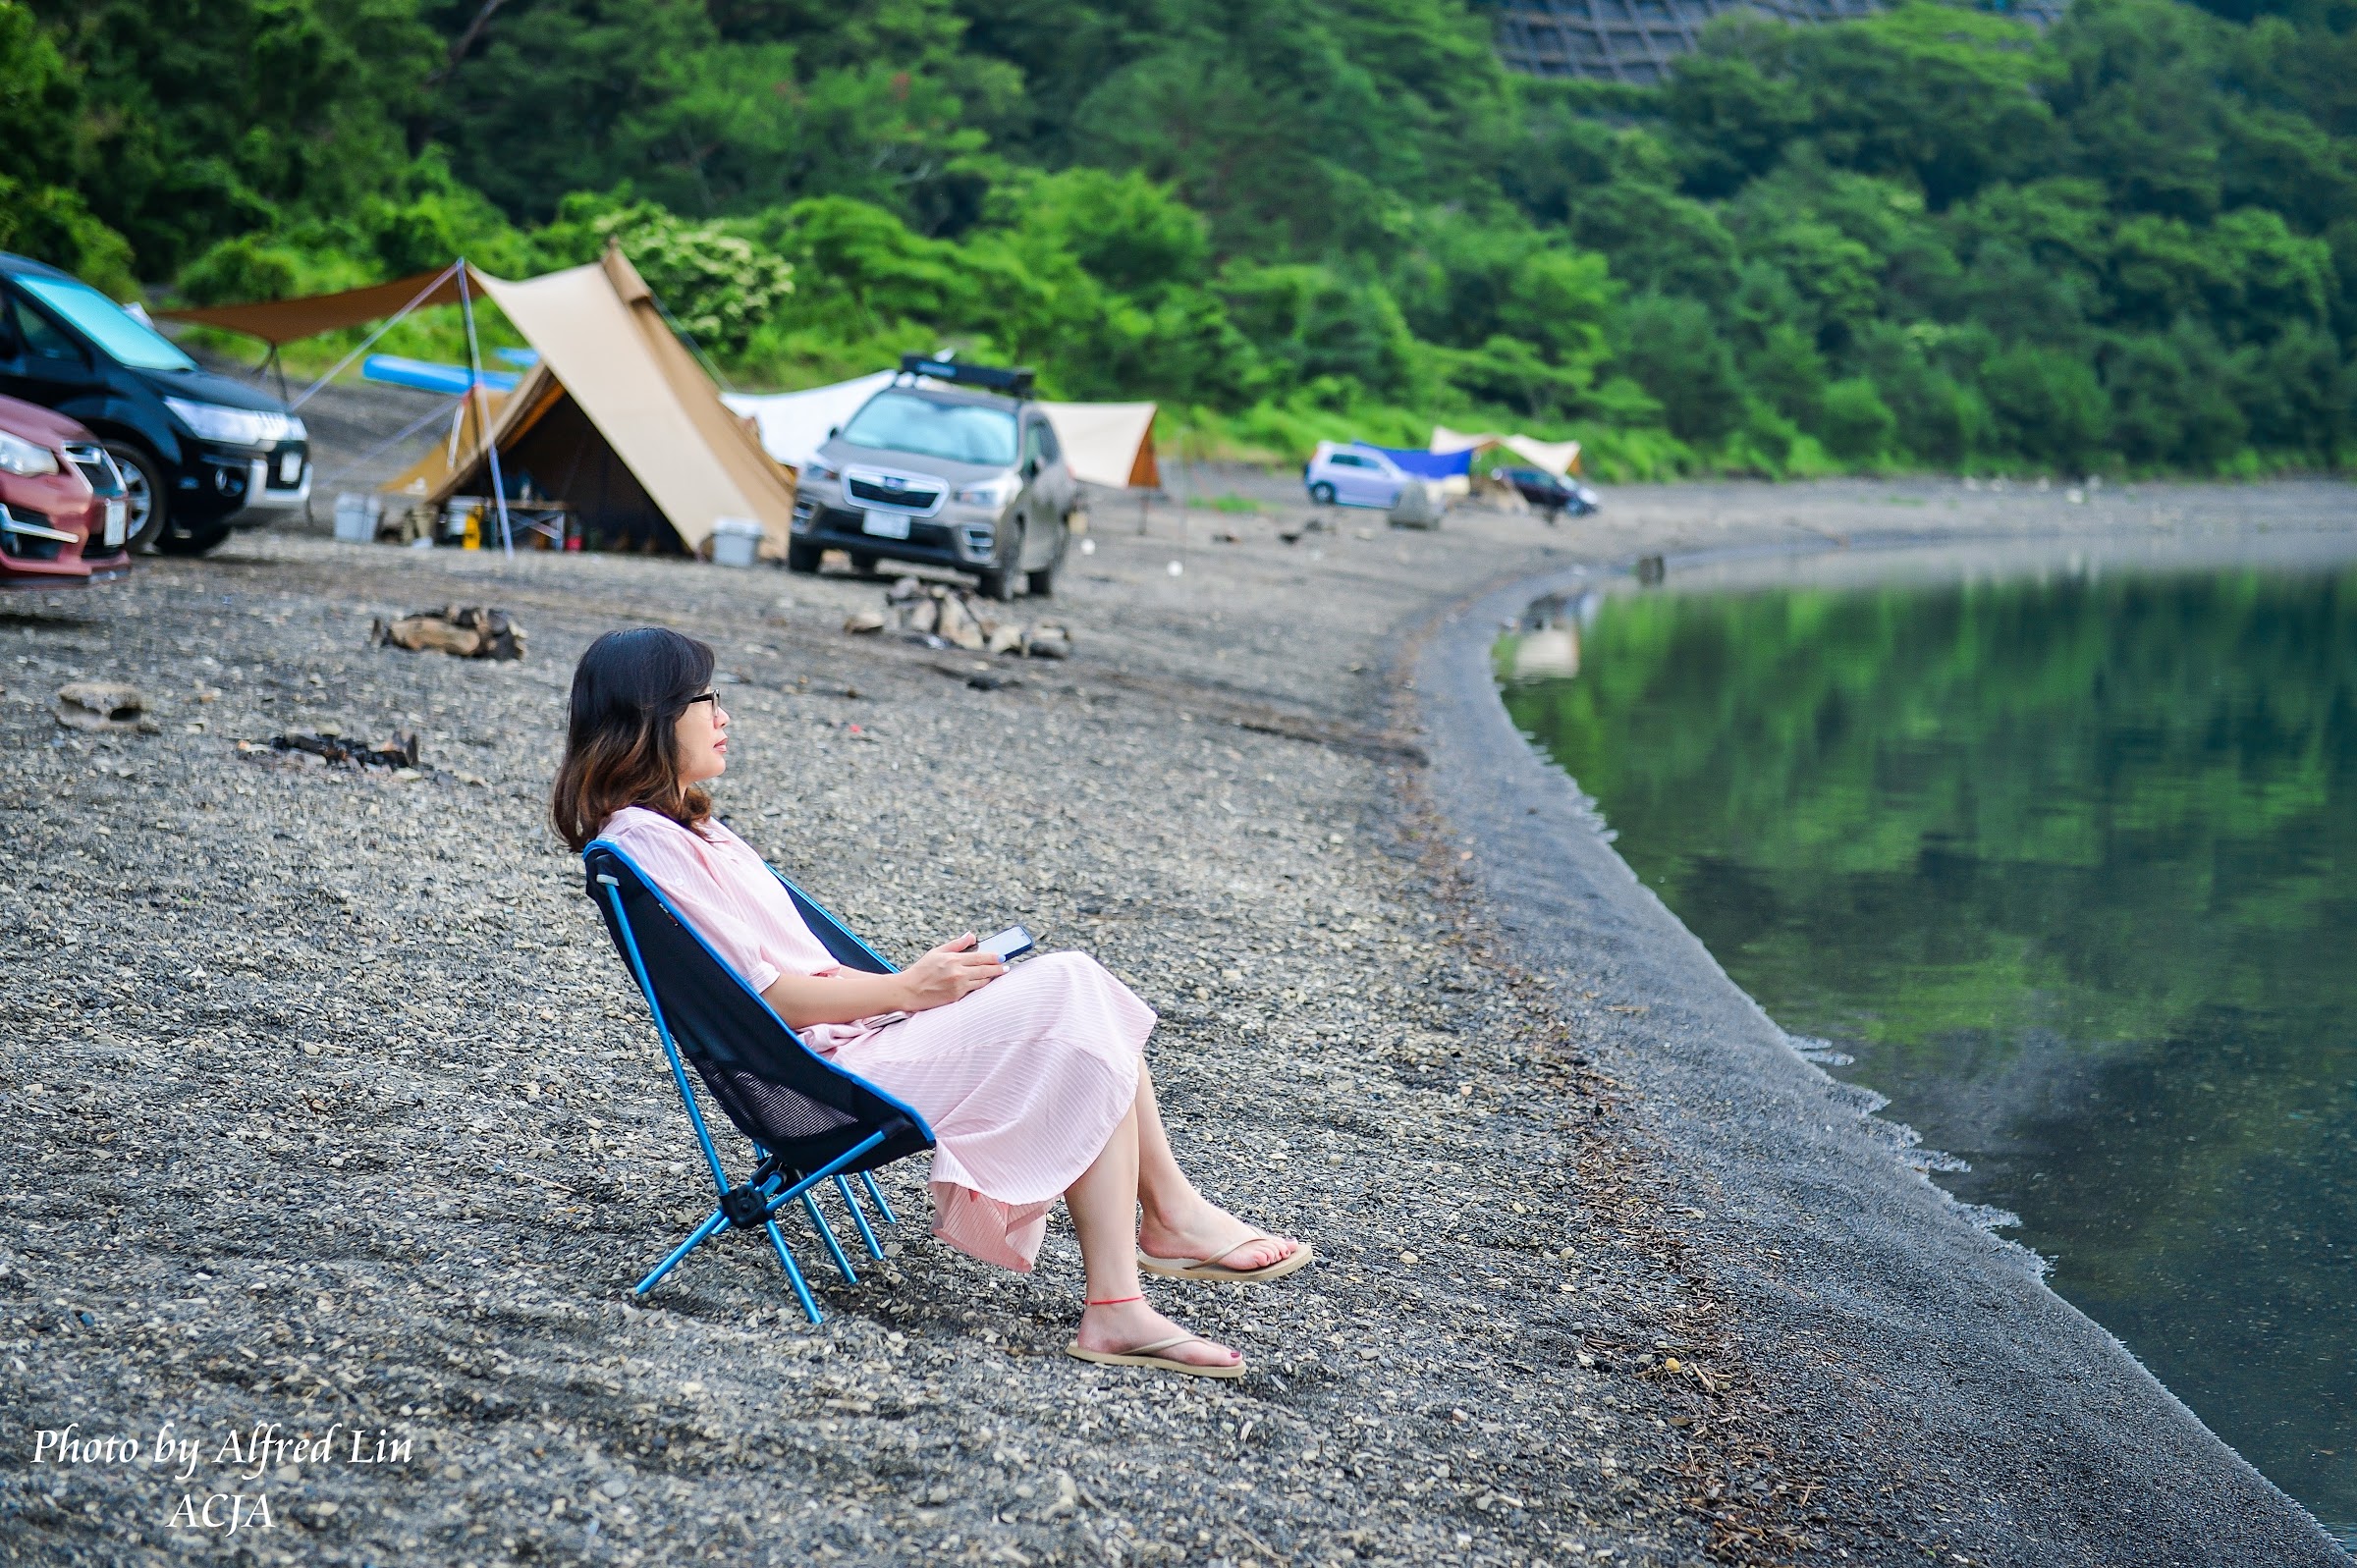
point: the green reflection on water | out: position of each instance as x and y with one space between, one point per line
2070 867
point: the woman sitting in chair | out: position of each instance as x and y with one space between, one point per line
1032 1079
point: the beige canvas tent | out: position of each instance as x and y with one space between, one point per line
618 419
544 437
613 380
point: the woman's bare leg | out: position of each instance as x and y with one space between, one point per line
1180 1221
1161 1185
1104 1210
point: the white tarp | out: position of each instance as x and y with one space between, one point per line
795 425
1558 457
1104 442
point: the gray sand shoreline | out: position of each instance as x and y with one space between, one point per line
324 1103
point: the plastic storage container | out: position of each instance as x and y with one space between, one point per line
736 541
357 517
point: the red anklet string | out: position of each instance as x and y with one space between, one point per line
1116 1301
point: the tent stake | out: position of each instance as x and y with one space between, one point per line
475 393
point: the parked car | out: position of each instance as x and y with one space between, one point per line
964 473
1353 475
62 512
202 453
1548 493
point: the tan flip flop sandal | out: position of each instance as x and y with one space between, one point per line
1212 1269
1144 1356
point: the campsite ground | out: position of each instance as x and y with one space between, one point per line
324 1103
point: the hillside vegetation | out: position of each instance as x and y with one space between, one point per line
1934 238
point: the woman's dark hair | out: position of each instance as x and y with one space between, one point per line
622 745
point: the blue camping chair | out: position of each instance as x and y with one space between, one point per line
809 1122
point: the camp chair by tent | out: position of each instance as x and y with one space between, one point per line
809 1122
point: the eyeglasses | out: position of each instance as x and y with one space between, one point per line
712 697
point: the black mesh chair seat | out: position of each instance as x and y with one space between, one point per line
808 1120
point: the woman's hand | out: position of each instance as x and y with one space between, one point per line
950 971
846 996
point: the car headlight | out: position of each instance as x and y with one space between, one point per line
815 470
242 427
990 492
24 460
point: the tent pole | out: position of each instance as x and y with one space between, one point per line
474 370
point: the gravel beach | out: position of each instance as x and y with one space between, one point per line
325 1104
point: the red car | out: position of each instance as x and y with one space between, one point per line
63 504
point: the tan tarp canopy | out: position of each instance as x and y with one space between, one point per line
616 413
1559 457
277 321
1107 442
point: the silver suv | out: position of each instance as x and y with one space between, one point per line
959 468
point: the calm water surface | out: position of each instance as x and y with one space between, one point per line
2064 855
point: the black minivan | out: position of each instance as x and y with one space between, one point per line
201 454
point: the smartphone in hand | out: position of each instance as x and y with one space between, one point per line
1007 945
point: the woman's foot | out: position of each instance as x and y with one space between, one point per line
1120 1330
1204 1232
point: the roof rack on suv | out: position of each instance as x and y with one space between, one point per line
1015 382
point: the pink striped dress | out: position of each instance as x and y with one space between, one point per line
1021 1081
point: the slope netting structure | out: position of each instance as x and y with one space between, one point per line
1635 40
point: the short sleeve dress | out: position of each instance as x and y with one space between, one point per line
1021 1081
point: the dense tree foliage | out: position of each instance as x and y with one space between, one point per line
1934 237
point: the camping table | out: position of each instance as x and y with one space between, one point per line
553 522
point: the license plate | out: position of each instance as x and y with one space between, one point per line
887 526
116 514
289 468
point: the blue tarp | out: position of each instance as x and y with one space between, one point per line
1426 464
427 376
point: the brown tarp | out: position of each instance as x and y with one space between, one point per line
277 321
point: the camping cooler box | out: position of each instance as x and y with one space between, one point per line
357 517
736 541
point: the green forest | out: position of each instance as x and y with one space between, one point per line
1936 239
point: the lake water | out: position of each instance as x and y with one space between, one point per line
2062 852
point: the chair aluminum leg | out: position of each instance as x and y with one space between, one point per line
844 1185
820 1220
777 1200
802 1289
867 1179
695 1238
